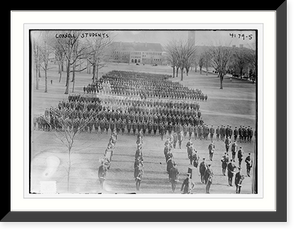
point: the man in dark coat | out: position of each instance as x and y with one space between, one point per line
173 177
224 160
208 177
187 185
234 149
238 181
202 169
212 132
248 162
227 143
230 172
235 133
240 156
211 150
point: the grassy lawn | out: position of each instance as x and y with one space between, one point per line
234 105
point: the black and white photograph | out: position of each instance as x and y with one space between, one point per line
143 111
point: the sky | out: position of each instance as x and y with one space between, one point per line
203 38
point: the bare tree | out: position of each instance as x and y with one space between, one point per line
72 50
171 55
66 128
80 54
220 57
45 51
36 56
180 55
98 48
207 60
201 63
185 52
60 58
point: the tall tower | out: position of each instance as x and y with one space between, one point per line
191 37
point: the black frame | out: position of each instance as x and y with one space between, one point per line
280 215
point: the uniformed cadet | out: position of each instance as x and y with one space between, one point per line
123 125
128 126
234 149
208 176
230 172
227 143
240 155
139 125
118 125
202 169
218 133
170 163
185 129
106 125
190 130
155 126
187 185
180 138
224 160
138 174
175 139
211 149
248 162
173 176
235 133
250 134
134 126
238 181
206 131
240 134
222 132
195 130
212 132
162 130
111 125
189 148
150 127
245 134
229 132
200 130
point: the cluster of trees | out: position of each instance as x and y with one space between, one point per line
223 59
72 54
180 55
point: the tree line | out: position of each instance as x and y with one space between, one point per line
237 61
72 54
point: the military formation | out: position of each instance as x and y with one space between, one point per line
142 104
149 86
123 114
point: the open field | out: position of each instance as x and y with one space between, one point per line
234 105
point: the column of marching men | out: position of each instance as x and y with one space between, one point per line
232 164
138 161
105 161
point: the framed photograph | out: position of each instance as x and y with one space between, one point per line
125 117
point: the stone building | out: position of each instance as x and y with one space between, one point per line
136 52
